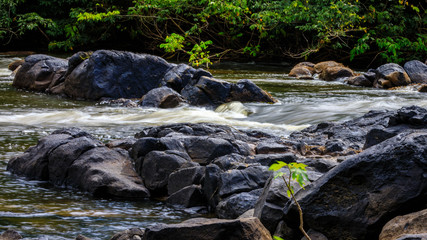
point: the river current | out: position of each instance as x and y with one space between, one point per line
40 211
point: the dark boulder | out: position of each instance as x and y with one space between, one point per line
246 91
237 204
115 74
391 75
417 71
162 97
356 198
209 229
189 196
40 72
185 177
158 165
73 158
178 77
361 81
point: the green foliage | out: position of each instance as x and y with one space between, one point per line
173 43
297 172
199 55
393 30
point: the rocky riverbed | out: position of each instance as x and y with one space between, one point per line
363 173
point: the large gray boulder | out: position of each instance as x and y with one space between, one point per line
209 229
391 75
73 158
417 71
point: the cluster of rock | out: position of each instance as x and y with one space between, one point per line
363 173
387 76
115 74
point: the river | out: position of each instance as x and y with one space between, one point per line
40 211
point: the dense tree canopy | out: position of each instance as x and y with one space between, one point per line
207 30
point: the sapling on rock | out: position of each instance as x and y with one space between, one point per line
298 173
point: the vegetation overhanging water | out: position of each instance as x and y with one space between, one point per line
36 209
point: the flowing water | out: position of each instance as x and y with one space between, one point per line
40 211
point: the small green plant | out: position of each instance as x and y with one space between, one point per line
298 173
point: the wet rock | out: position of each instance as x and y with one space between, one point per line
422 88
422 236
302 72
413 223
40 72
246 91
354 198
390 75
129 234
81 237
370 75
336 73
315 235
237 204
268 159
322 66
189 196
271 146
157 167
10 234
162 97
15 64
73 158
209 229
126 143
244 180
115 74
351 135
360 80
180 76
185 177
195 96
417 71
